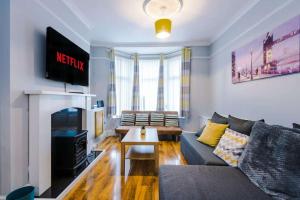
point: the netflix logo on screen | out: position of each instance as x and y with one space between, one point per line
65 61
68 60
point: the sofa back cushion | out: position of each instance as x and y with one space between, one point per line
142 119
296 126
219 119
241 125
231 147
296 130
157 119
127 119
271 160
171 119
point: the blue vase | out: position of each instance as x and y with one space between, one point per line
100 103
24 193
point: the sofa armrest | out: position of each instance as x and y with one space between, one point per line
189 132
196 133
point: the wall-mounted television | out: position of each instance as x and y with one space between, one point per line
65 61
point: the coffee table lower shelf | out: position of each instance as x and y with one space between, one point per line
140 147
141 152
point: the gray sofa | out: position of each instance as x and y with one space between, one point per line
206 178
192 182
197 153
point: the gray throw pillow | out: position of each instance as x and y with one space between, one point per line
297 126
271 160
199 132
216 118
289 129
241 125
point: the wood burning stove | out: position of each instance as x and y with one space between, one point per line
69 152
69 142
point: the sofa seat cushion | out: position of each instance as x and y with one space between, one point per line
197 153
206 183
124 129
160 129
167 130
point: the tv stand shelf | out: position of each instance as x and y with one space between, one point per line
47 92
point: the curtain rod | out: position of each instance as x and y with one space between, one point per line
125 54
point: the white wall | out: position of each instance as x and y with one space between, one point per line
29 20
274 99
5 94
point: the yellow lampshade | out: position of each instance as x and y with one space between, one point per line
163 28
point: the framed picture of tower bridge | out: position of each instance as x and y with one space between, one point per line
275 53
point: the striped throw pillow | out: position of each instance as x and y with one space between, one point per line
142 119
231 147
157 119
127 119
171 120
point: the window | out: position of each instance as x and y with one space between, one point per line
172 75
124 83
149 73
148 83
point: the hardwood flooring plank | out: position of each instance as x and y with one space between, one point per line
103 181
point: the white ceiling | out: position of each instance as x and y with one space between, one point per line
124 23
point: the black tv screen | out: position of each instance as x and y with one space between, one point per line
65 61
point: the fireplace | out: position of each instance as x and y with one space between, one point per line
69 142
43 106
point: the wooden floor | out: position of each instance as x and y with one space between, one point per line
104 180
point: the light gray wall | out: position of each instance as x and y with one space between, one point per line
99 73
99 83
29 20
5 94
275 99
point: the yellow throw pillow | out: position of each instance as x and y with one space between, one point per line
212 133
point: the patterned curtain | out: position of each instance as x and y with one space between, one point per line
160 91
136 85
111 105
185 83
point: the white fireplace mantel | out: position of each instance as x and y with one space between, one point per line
47 92
42 104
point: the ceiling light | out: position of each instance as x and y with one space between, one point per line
163 28
162 11
159 9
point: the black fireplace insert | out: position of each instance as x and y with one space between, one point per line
69 150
